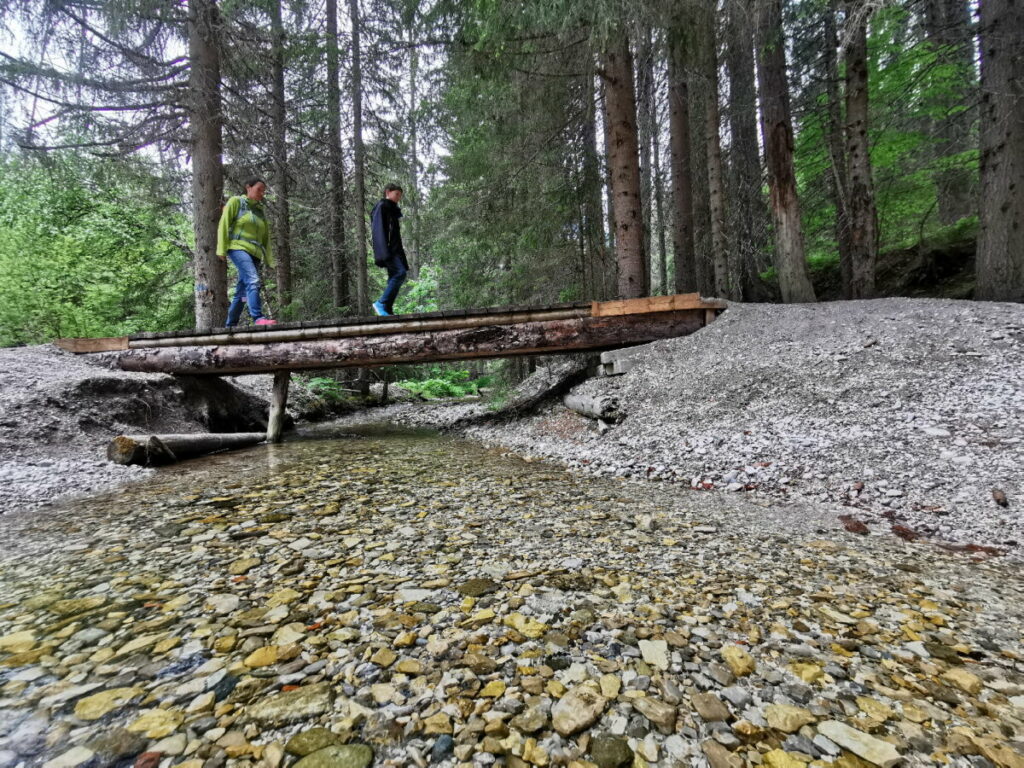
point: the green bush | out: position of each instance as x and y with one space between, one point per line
443 383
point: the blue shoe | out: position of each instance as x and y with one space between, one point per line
379 309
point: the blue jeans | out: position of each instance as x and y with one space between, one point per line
397 272
247 290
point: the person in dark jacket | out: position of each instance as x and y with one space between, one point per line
387 246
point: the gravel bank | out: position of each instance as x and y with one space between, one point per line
904 413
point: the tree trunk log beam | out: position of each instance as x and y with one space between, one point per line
534 338
462 335
151 450
278 406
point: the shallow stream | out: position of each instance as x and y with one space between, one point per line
403 597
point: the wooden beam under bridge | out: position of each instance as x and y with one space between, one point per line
524 338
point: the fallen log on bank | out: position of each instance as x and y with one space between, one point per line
153 450
603 407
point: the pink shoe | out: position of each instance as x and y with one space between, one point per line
265 321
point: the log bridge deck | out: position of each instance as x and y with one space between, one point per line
404 339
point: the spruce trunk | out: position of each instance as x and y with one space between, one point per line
684 259
777 134
282 223
623 160
205 119
336 199
863 216
1000 261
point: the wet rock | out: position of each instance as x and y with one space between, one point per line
309 741
292 706
347 756
610 752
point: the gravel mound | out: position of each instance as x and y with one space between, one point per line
908 412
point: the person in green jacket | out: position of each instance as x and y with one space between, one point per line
244 237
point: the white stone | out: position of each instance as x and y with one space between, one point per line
655 653
71 759
881 753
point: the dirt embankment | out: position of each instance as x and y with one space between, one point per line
58 411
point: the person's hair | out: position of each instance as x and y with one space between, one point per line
391 188
252 181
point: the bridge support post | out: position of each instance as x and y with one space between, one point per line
278 406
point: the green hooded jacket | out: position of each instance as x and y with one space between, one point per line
250 233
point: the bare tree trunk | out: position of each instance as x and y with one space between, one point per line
682 190
750 216
623 159
336 202
695 50
646 128
948 26
414 160
282 223
611 271
863 216
205 120
593 215
659 205
839 186
725 278
777 134
1000 263
362 301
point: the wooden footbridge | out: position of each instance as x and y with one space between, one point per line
404 339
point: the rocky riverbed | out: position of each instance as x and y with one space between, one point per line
408 600
904 415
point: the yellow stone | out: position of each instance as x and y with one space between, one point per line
493 690
157 723
532 628
779 758
438 724
262 657
225 644
875 709
740 662
610 686
555 688
478 619
240 567
405 639
806 671
18 642
534 754
914 713
166 645
999 753
143 641
96 706
283 597
964 680
786 718
102 655
77 605
384 657
409 667
746 729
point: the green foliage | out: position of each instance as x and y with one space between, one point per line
443 383
325 388
88 249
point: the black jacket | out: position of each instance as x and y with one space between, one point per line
386 232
